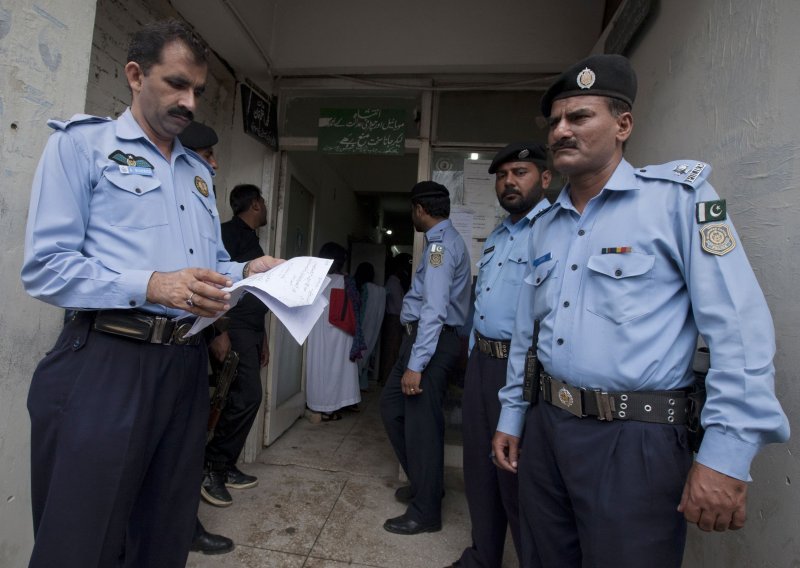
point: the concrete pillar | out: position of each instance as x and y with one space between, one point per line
44 65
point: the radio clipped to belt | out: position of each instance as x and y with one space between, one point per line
533 369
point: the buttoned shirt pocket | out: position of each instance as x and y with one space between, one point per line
130 201
618 286
516 266
544 279
206 217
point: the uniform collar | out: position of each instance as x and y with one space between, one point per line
438 228
128 129
623 179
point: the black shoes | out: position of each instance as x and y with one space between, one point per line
208 543
213 489
407 526
237 479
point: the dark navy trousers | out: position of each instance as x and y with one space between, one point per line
117 435
415 424
491 492
601 494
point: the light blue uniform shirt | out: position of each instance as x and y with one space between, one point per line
96 234
500 272
630 321
439 292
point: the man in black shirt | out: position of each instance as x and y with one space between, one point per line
248 338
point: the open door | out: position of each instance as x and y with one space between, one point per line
286 397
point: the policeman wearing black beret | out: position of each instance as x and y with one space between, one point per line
599 75
201 139
521 178
628 268
434 308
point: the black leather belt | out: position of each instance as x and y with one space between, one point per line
661 407
411 327
145 327
492 347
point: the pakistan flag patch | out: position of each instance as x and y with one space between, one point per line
710 211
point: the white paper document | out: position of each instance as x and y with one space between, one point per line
291 291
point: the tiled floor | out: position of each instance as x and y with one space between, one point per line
324 492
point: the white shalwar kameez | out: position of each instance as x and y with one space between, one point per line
331 377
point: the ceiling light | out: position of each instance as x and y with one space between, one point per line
473 156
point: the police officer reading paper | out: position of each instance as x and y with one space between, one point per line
411 402
521 176
626 269
123 229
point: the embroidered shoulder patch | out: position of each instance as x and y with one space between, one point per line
710 211
717 239
436 257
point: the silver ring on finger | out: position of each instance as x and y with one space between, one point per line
189 301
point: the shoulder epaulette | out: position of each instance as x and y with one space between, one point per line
539 214
690 173
76 119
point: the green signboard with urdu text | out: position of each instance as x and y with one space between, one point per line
374 131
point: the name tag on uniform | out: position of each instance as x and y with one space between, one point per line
541 259
488 250
137 170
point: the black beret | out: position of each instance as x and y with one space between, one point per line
429 189
601 75
198 135
520 152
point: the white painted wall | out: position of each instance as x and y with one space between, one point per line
719 81
337 210
44 61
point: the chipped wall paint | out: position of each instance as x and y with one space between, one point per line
44 61
719 82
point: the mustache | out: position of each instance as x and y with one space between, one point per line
565 143
510 191
180 111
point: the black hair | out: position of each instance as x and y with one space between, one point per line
335 252
434 206
242 197
148 43
364 273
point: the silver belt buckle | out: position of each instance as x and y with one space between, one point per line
179 334
566 397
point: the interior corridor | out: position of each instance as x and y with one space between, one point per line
324 492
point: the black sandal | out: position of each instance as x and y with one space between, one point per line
330 416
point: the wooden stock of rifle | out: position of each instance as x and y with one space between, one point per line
225 377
